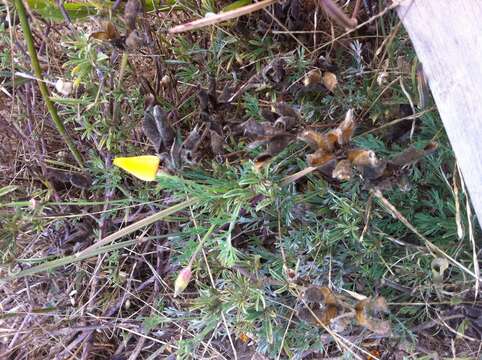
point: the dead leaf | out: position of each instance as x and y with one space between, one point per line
191 144
62 178
330 81
269 115
367 163
253 128
278 143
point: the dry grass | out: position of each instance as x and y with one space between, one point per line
285 227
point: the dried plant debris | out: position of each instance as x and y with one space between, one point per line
273 133
191 145
323 307
131 10
62 178
275 71
272 75
368 313
157 128
132 38
439 266
332 152
328 145
110 33
330 81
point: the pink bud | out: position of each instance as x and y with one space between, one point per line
182 280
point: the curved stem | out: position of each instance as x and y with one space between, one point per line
27 33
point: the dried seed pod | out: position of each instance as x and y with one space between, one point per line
330 81
404 183
109 33
317 141
319 158
312 77
362 157
412 155
439 265
149 128
422 87
217 143
284 109
81 181
313 294
262 160
366 312
134 40
347 128
278 143
285 122
343 170
337 14
165 131
269 115
316 315
253 128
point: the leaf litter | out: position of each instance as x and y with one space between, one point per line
198 125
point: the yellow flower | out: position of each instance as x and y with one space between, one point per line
142 167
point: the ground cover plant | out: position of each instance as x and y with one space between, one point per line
274 186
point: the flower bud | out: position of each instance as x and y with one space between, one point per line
182 280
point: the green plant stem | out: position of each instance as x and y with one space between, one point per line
200 245
104 245
139 224
41 84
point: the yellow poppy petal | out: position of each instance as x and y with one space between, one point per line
142 167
